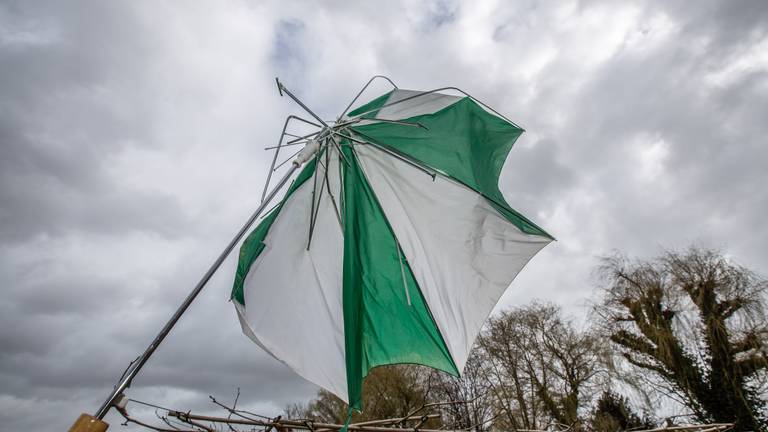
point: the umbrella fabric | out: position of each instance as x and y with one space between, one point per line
392 245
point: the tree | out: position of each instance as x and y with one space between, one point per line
472 389
695 322
542 369
389 392
613 413
530 369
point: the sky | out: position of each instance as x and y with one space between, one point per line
132 139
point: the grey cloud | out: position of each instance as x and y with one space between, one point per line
715 147
439 13
523 183
287 50
64 112
103 106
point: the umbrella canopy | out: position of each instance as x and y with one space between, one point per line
392 245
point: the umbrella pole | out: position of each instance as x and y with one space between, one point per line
88 423
282 89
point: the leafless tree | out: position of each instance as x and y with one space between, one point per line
541 368
473 389
389 392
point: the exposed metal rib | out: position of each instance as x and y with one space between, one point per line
316 197
290 158
392 153
282 89
338 148
295 140
287 145
439 90
279 145
402 271
361 92
328 185
399 122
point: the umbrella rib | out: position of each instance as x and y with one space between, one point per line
435 91
338 148
315 202
280 145
342 190
282 89
317 207
402 270
328 185
286 145
287 160
399 122
362 90
303 137
390 152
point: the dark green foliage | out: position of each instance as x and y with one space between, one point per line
613 413
695 322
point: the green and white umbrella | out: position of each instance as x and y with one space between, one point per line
392 245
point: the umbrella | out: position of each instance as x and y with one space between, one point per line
392 244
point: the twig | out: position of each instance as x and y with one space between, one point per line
713 427
200 425
234 407
237 412
433 404
290 424
483 422
129 419
165 420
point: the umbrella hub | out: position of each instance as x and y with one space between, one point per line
309 150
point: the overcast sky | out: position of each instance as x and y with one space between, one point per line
131 150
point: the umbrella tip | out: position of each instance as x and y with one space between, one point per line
279 86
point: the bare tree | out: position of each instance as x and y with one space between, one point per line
542 370
476 412
695 323
389 392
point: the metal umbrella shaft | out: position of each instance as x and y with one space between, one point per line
303 156
131 373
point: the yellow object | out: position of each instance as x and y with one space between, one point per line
88 423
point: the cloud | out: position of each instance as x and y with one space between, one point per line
131 149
